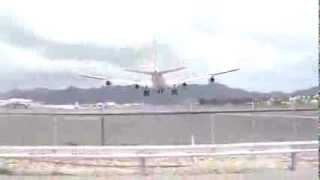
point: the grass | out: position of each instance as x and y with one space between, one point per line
4 171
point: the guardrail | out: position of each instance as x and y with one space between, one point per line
143 153
156 155
198 147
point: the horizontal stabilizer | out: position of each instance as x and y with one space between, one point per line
139 71
172 70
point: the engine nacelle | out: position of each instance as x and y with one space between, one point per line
184 84
211 79
108 83
136 86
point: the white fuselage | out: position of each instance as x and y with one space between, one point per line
158 81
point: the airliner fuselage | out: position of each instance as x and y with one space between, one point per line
158 81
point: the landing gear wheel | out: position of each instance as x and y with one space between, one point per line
160 91
146 92
174 92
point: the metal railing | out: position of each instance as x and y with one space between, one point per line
144 153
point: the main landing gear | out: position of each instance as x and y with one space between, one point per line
146 92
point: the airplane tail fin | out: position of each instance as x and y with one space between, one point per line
154 65
154 55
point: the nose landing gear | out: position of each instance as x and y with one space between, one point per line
160 91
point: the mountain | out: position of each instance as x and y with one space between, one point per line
307 92
127 94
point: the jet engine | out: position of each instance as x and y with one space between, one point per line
136 86
184 84
211 79
108 83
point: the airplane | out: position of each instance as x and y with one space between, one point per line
158 81
16 103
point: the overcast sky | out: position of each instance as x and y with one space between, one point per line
46 43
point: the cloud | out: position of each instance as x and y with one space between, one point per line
18 35
274 43
26 69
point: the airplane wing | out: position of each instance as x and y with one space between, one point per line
117 81
93 77
219 73
197 78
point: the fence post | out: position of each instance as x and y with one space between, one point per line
192 140
212 129
143 166
253 105
293 161
55 130
102 142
